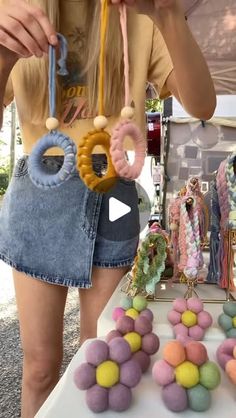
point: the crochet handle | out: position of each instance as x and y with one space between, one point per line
52 71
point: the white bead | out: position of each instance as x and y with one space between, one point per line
127 112
52 123
173 226
100 122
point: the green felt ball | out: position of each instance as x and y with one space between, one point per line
209 375
231 333
199 398
126 302
139 303
229 308
225 322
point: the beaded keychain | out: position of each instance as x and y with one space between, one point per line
126 127
99 136
37 171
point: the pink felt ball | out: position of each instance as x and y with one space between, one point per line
143 359
224 352
174 317
120 398
204 319
97 352
119 350
163 373
125 324
130 373
97 398
113 334
196 333
196 352
150 343
142 325
180 329
175 397
183 339
147 313
195 305
85 376
117 313
180 305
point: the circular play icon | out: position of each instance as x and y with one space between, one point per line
125 211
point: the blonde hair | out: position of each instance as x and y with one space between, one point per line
34 71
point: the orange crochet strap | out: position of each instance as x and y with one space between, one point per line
99 136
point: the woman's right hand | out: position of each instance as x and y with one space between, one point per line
25 30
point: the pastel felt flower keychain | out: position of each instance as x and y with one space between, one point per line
99 136
126 127
37 171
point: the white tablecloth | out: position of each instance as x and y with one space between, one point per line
66 401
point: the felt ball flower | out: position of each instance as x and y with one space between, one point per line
188 318
108 375
186 376
226 357
138 333
132 307
227 320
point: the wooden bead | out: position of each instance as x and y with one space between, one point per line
100 122
173 226
52 123
127 112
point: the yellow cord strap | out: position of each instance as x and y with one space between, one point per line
103 31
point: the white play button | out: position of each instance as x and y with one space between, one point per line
117 209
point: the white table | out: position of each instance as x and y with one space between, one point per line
66 401
160 324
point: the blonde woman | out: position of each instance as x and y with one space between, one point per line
50 238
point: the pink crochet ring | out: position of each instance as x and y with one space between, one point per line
122 167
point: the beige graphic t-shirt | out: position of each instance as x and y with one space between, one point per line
149 61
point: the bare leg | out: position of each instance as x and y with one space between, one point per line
41 310
93 301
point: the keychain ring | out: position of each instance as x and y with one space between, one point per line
123 129
85 166
36 167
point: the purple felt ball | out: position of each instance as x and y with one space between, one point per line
147 313
130 373
125 324
142 325
85 376
143 359
119 350
97 352
163 373
180 329
224 352
150 343
175 397
120 398
195 305
174 317
97 398
180 305
113 334
117 313
196 333
204 319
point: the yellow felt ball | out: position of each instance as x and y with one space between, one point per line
234 321
187 374
107 374
134 340
133 313
189 318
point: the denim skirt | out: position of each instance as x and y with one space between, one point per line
53 235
